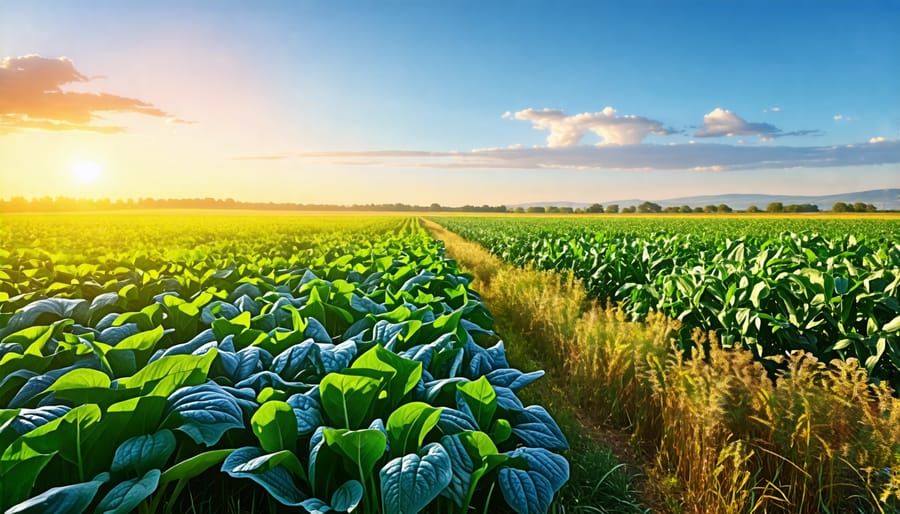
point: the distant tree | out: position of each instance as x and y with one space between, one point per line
841 207
801 207
535 209
871 207
579 210
723 208
566 210
753 208
649 207
630 209
519 210
859 207
434 207
612 208
552 209
698 209
685 209
775 207
595 208
672 209
709 208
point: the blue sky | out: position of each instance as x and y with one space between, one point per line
357 102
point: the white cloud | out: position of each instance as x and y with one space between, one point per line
568 131
646 157
838 117
772 109
881 139
724 123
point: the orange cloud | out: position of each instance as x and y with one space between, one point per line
31 97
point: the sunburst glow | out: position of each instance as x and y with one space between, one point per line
86 171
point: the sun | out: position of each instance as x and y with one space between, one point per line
86 171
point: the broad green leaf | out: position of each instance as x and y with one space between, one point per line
408 425
411 482
195 465
363 448
47 310
405 373
308 412
66 435
204 412
169 373
127 495
347 497
69 499
536 428
479 399
255 464
275 426
19 468
142 341
346 399
138 455
85 385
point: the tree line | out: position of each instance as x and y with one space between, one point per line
65 204
60 204
650 207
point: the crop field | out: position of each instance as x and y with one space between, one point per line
330 363
828 286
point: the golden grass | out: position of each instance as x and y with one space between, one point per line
719 436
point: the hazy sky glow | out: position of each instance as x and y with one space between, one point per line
450 102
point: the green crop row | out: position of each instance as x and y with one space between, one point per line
833 291
341 364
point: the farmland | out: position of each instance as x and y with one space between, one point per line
724 423
333 363
362 363
828 287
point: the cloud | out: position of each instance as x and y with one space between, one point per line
646 157
270 157
881 139
844 117
724 123
31 97
567 131
772 109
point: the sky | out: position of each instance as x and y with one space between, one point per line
455 102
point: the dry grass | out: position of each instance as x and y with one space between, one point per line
719 436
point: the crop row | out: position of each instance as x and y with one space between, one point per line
347 369
836 296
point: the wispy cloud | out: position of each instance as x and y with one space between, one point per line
269 157
568 130
31 97
645 157
724 123
622 148
772 109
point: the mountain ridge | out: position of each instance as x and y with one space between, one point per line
883 199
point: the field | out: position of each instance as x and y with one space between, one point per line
759 396
829 287
340 363
322 363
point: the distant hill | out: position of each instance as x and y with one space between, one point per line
884 199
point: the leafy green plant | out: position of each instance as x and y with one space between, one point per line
326 368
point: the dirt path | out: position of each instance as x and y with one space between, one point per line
474 259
